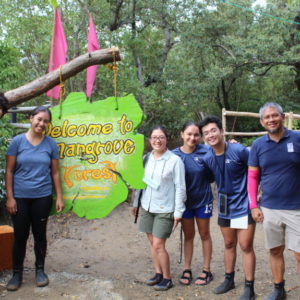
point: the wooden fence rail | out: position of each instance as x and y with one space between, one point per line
289 118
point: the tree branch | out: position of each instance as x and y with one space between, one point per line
50 80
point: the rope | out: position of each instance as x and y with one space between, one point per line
114 68
62 91
180 245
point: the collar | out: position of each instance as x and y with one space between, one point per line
286 134
165 156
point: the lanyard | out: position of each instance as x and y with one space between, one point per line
222 170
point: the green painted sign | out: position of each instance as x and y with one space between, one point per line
100 152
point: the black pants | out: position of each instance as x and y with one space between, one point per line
34 213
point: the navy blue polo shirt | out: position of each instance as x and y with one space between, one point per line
231 177
197 182
279 165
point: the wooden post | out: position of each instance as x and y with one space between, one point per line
6 242
224 119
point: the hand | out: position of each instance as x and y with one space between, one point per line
177 221
257 215
233 141
134 210
60 205
11 206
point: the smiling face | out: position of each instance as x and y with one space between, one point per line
40 122
272 120
213 135
190 136
158 141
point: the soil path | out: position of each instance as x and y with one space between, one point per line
109 259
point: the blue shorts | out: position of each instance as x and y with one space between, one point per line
203 212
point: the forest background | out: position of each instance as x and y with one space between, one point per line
181 59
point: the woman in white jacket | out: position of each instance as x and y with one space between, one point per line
162 204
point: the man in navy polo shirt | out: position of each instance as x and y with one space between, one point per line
228 163
274 161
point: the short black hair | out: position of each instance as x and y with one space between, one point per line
159 127
41 109
210 119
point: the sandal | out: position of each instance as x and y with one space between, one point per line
185 277
207 279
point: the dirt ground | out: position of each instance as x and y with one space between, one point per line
109 259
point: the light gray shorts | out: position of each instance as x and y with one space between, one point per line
279 224
159 225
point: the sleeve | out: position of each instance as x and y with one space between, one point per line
13 147
253 157
207 171
137 194
244 155
253 182
54 149
180 189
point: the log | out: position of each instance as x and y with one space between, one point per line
44 83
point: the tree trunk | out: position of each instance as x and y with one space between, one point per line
50 80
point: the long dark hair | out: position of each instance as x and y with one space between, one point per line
41 109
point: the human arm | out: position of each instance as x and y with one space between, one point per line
11 204
57 185
253 182
180 189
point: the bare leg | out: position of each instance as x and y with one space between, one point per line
277 263
245 237
204 231
154 255
161 256
297 256
230 241
188 227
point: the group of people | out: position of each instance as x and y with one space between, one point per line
178 190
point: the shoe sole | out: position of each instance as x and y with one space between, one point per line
163 289
223 292
42 284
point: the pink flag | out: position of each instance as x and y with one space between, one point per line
92 46
58 51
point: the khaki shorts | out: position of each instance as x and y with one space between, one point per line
159 225
279 224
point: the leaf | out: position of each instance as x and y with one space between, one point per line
53 3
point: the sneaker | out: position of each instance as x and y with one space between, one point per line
164 285
15 282
157 278
41 278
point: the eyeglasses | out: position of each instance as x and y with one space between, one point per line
157 138
212 131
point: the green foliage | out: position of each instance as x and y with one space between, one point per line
181 59
6 133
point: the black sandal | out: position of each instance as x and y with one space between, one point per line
207 279
184 277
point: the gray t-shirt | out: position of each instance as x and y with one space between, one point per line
32 176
